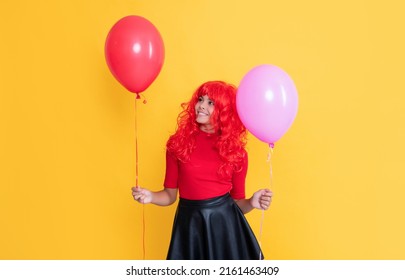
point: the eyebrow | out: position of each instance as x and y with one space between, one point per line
202 96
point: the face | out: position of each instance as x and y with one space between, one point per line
203 110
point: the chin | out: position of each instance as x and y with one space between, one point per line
202 121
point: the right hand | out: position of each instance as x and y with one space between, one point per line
143 196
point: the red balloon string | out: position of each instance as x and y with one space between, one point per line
143 232
137 177
136 144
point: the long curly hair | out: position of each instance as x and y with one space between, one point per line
225 120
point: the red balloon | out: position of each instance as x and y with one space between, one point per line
134 52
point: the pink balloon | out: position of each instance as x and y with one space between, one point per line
134 52
267 102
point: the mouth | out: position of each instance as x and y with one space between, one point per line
199 113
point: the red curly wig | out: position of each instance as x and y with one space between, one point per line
225 120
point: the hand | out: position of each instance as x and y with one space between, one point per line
143 196
262 199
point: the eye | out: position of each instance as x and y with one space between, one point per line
211 103
200 99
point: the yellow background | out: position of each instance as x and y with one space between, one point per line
67 126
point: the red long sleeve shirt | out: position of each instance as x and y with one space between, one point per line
198 178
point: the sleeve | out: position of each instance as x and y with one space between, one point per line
238 181
172 171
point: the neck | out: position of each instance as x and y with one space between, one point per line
207 128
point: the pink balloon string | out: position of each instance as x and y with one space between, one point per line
260 234
269 155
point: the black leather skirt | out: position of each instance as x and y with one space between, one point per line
212 229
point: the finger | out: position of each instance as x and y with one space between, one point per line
265 198
138 190
263 206
268 193
265 203
139 196
142 199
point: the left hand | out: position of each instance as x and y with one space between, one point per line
262 199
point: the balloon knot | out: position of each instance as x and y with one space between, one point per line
138 96
271 145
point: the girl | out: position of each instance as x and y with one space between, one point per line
206 162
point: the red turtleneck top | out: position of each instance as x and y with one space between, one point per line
198 179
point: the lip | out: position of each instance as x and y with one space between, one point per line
202 113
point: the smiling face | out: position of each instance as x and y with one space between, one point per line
203 110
